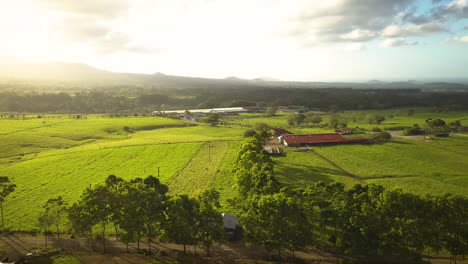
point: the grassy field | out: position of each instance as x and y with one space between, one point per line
49 157
396 119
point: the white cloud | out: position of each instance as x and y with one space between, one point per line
396 42
353 47
463 39
396 30
359 35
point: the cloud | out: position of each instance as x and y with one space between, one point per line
465 28
396 30
100 8
346 20
364 20
396 42
359 35
463 39
354 47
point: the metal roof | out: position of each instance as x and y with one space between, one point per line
318 138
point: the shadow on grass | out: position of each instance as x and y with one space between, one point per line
303 175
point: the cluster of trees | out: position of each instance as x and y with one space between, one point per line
309 118
138 210
365 221
432 126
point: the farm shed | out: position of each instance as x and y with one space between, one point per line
229 221
296 140
272 150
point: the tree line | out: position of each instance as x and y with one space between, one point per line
138 210
147 100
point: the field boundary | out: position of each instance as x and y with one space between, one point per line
32 128
100 148
215 174
186 164
338 167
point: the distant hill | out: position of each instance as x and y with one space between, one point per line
85 74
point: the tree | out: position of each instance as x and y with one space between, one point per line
379 119
130 217
212 118
414 130
260 126
6 187
181 223
81 220
313 118
382 136
55 210
277 222
92 208
296 119
112 183
435 122
254 169
249 133
45 223
334 121
452 224
270 111
209 219
153 206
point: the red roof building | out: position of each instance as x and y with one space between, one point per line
316 139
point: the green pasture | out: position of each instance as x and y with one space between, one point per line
68 175
415 166
49 157
396 119
25 137
200 172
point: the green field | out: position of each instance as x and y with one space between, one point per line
49 157
396 119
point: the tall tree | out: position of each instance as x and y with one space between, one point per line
6 187
209 219
153 206
277 222
181 225
81 220
56 210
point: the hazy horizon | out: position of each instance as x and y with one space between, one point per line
330 41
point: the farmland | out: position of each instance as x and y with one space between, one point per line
59 155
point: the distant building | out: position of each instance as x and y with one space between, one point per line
297 140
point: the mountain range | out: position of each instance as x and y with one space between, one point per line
78 73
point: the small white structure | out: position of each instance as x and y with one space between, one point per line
229 221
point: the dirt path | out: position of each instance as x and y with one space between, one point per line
16 246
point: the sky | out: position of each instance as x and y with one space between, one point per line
302 40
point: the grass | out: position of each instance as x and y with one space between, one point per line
412 165
224 180
299 169
200 172
68 175
396 119
25 137
46 158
